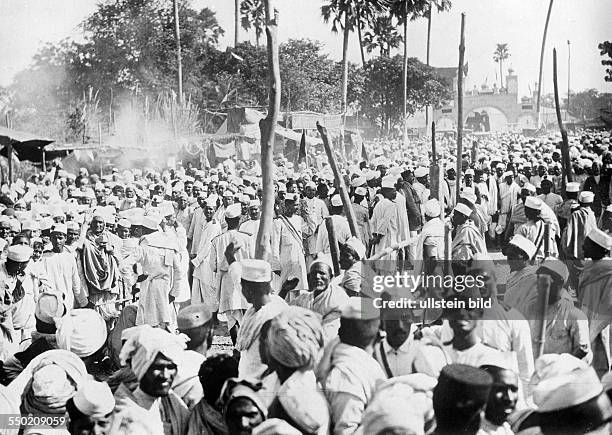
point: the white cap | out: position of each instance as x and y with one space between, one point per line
388 182
566 390
19 253
30 225
151 221
94 399
358 181
421 172
361 191
233 211
507 174
432 208
59 228
310 185
572 187
524 244
586 197
360 309
291 197
124 223
533 203
463 209
356 245
256 270
600 237
254 203
336 201
469 171
468 193
530 187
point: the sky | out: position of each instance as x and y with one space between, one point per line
25 25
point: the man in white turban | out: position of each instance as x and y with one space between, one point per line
152 354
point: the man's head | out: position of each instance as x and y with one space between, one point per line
397 325
290 204
196 322
256 278
460 397
310 190
18 257
519 251
359 323
546 186
597 244
90 409
503 396
243 410
319 276
213 373
158 378
533 208
558 274
73 232
97 225
254 209
461 214
58 237
462 319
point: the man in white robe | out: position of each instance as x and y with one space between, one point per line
203 289
385 222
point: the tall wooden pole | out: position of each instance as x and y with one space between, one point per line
539 90
179 58
345 43
267 128
434 169
565 157
427 58
405 78
9 153
346 200
460 104
236 22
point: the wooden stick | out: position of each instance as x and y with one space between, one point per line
394 247
267 128
539 89
543 295
434 169
9 153
346 201
460 104
546 240
565 157
333 244
179 58
447 249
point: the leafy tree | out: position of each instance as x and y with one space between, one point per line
381 99
500 54
606 52
253 16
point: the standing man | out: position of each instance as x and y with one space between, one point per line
468 240
385 219
60 268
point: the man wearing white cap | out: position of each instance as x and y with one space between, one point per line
521 286
347 372
287 244
251 226
60 269
385 222
534 229
362 214
594 290
468 239
508 196
160 260
254 277
231 302
197 223
430 243
313 210
420 184
203 289
89 410
339 222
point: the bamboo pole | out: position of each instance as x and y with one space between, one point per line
539 89
546 240
9 153
543 296
346 201
333 244
565 157
405 79
267 128
460 104
434 169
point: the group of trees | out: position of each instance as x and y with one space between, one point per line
129 53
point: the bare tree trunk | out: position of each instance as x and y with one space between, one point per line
405 81
460 104
236 21
179 59
539 90
565 157
427 59
345 43
267 128
363 60
501 77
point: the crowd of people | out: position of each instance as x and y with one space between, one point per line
113 288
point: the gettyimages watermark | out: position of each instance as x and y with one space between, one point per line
510 290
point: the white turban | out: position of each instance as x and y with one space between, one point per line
82 331
144 342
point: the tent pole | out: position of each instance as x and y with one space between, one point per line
44 161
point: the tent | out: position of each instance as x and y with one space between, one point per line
25 145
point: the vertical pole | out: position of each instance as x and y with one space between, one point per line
565 157
568 78
9 153
460 104
427 58
236 22
405 79
333 245
539 90
543 296
434 169
44 161
179 60
100 147
267 127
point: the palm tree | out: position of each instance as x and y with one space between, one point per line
382 35
410 10
550 5
253 15
500 54
344 14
